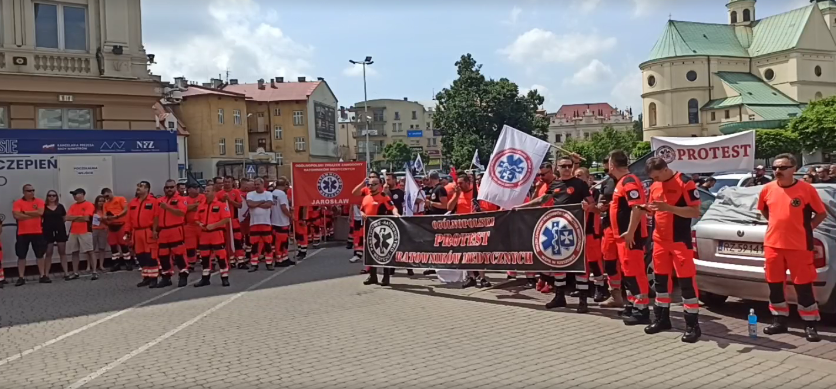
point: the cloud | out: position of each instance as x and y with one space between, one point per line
594 73
222 34
513 16
628 92
550 102
586 6
645 7
543 46
356 70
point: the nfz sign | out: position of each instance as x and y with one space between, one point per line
145 144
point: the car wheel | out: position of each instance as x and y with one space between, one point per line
712 300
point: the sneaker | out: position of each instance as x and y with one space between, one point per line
74 276
94 277
20 282
356 258
44 280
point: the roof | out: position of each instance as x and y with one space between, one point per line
776 112
735 127
163 112
568 110
769 35
283 91
752 90
823 5
197 90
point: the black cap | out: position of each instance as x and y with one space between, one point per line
77 191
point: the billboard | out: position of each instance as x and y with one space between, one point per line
414 133
325 126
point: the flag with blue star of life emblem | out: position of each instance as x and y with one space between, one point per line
558 239
513 166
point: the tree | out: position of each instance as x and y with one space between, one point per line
397 154
601 143
769 143
584 148
640 149
638 127
473 110
816 126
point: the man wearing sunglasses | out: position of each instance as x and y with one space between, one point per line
374 204
170 232
28 212
142 218
789 205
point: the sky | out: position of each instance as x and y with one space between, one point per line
571 51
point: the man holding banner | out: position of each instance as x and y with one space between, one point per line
376 203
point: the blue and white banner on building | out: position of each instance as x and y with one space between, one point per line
85 142
512 168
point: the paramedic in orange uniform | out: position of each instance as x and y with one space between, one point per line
675 202
794 209
213 218
233 197
629 224
142 217
594 233
461 203
116 211
609 249
376 203
362 190
170 228
192 230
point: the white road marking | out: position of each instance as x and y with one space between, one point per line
181 327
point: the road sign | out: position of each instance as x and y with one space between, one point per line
250 169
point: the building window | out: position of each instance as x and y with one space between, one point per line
713 116
277 132
769 74
751 118
279 159
397 116
262 143
3 120
236 116
691 76
298 118
817 70
378 116
432 142
220 116
239 146
818 97
170 125
734 17
651 81
222 146
747 15
277 112
299 143
60 27
651 113
557 138
585 136
394 127
693 111
65 118
568 137
414 115
728 114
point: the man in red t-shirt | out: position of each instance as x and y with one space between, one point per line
793 209
461 203
629 226
80 240
233 198
28 212
675 202
376 203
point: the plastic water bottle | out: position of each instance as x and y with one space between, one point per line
753 324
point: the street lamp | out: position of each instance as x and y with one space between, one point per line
367 61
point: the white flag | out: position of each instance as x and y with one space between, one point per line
418 165
475 161
513 166
411 193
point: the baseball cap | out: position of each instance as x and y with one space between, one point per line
77 191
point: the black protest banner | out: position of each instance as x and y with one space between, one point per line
524 240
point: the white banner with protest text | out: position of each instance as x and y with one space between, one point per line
707 154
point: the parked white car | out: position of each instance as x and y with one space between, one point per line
732 180
728 243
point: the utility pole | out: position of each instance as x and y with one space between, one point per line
367 61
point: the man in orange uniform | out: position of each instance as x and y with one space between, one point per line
375 204
789 205
171 236
629 226
461 203
609 249
315 225
192 231
115 216
142 217
594 233
213 218
675 201
233 198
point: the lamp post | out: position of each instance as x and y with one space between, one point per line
367 61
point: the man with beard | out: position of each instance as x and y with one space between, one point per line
260 203
142 217
375 203
116 211
233 198
609 249
760 177
566 189
213 218
169 231
192 231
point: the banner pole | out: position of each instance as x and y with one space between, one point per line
292 236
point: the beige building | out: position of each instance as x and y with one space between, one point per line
76 64
704 79
580 121
390 121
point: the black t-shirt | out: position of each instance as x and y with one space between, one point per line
762 180
397 196
435 196
590 217
607 191
571 191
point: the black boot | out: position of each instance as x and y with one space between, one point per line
254 268
145 282
662 321
530 283
385 280
575 293
626 312
129 264
600 294
410 272
583 305
117 265
811 333
371 280
638 316
166 281
778 326
692 328
224 281
183 281
469 282
153 283
204 281
559 300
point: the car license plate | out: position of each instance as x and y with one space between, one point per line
741 248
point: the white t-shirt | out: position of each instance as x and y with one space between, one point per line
259 215
279 218
243 211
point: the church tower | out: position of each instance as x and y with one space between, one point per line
741 12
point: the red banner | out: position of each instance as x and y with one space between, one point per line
326 183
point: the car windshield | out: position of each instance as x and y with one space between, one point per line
722 183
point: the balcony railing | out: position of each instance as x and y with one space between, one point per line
372 133
51 63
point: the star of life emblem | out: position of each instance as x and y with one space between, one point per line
383 238
511 168
558 238
329 185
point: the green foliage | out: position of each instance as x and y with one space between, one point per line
640 149
601 143
638 127
398 153
816 126
472 111
769 143
584 148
